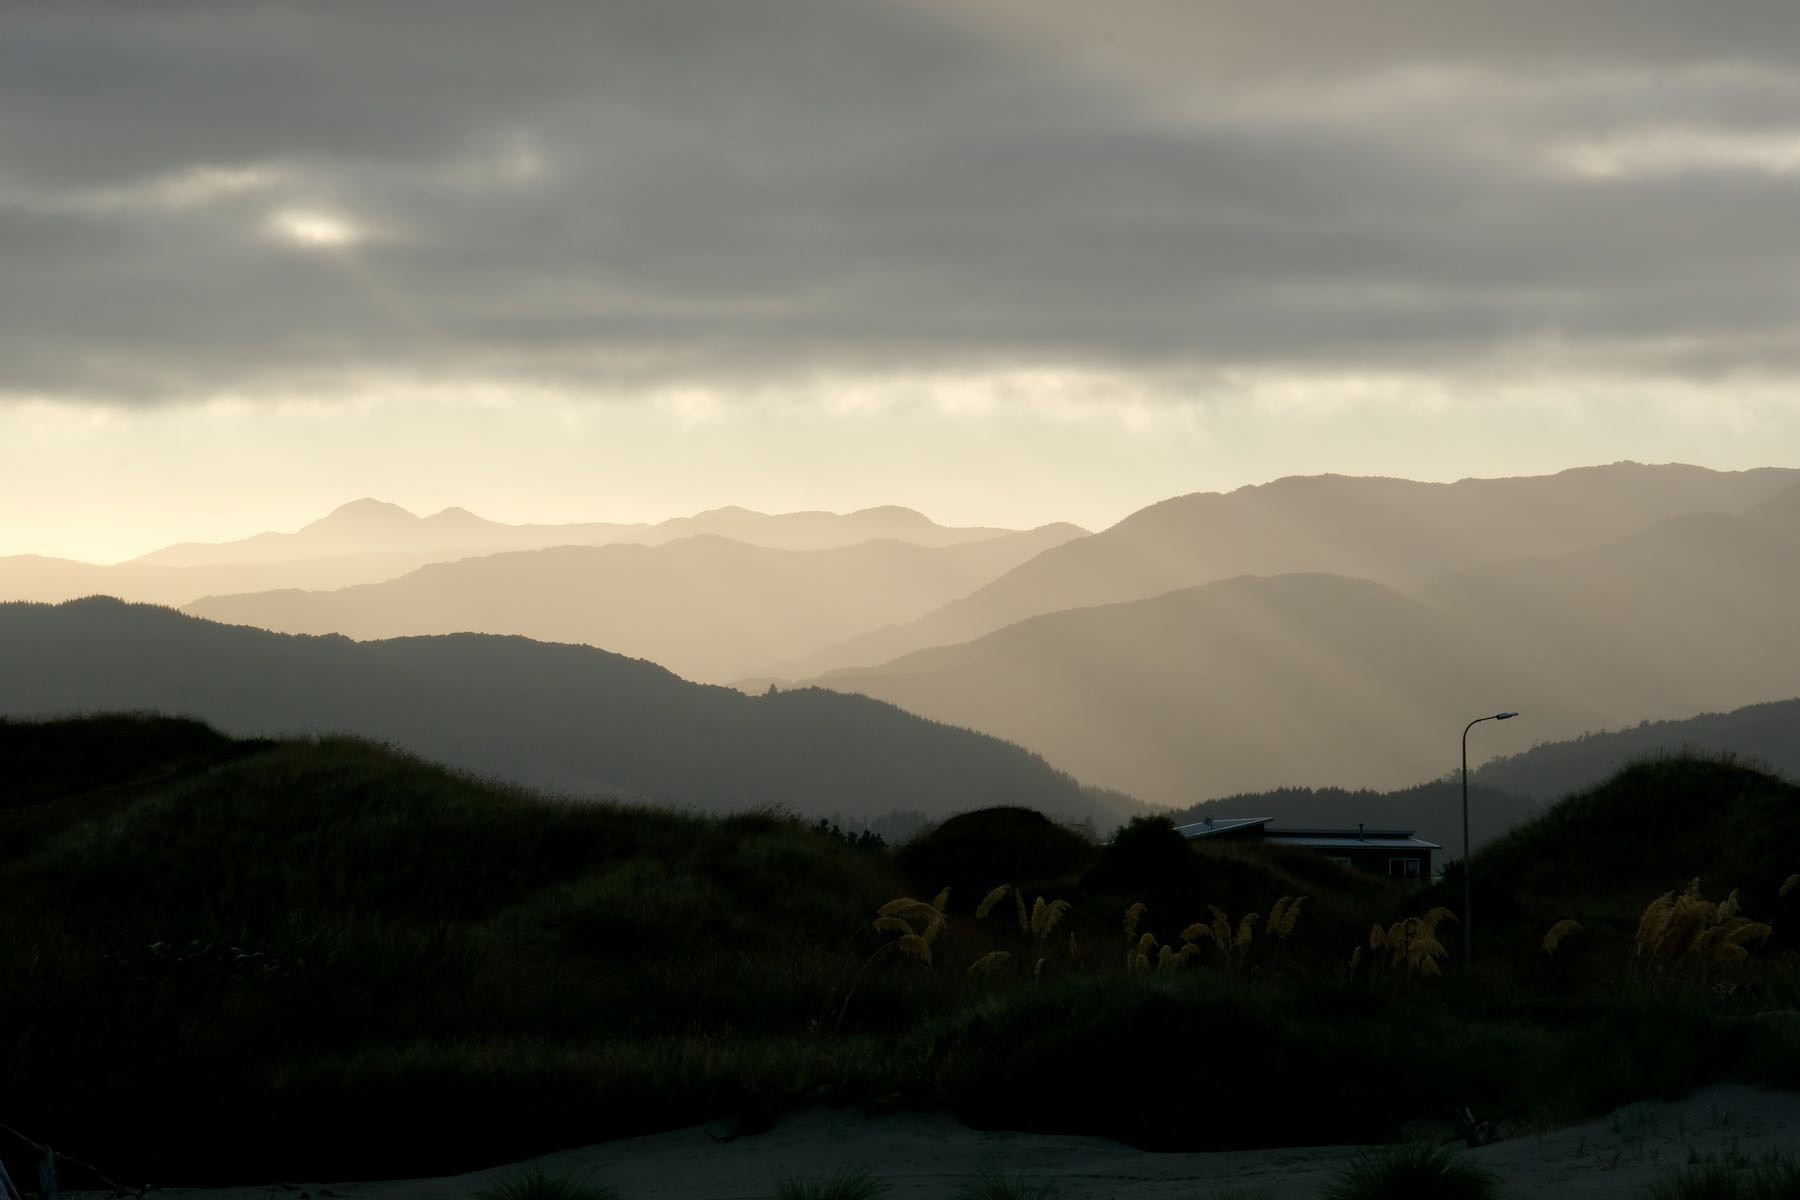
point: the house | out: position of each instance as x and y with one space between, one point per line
1395 853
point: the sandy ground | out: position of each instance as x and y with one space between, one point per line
925 1157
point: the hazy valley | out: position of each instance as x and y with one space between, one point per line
707 607
1312 632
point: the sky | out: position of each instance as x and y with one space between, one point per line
1005 261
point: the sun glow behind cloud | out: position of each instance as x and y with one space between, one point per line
315 229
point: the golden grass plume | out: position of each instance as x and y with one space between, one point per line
992 898
914 946
924 918
1679 930
1046 917
1558 932
992 961
1133 915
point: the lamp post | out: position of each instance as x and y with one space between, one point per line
1468 887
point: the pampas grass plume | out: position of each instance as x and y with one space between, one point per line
1558 932
992 898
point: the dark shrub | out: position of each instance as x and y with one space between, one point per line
976 851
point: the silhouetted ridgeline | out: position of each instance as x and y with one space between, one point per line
563 718
1765 735
369 526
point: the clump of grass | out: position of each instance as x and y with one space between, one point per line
1412 945
537 1183
1689 928
996 1185
1777 1179
851 1183
1410 1170
1558 932
1239 1191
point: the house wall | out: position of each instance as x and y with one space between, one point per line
1374 860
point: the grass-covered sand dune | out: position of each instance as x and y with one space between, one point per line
230 960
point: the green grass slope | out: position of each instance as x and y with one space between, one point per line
1600 855
233 960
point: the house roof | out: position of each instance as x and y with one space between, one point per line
1369 841
1217 825
1320 839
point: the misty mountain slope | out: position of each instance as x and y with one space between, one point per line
707 608
1695 614
1765 735
1322 681
567 718
53 580
1235 686
372 526
1391 531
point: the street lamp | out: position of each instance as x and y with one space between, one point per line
1468 888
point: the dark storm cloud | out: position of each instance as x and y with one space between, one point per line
673 189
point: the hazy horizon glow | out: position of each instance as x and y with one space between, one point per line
1005 262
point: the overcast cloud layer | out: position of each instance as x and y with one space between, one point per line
204 195
610 200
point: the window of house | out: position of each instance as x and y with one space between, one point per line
1403 868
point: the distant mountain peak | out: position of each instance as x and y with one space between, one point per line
456 515
894 512
731 512
368 509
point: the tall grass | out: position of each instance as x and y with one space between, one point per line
999 1185
535 1182
850 1183
1778 1179
1411 1171
1239 1190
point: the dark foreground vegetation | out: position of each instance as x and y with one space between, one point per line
234 961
